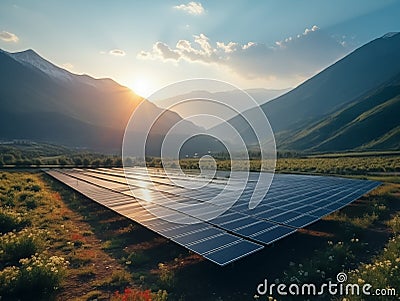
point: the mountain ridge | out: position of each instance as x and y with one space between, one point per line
351 105
368 123
359 73
91 106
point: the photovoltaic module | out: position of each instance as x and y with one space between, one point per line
292 202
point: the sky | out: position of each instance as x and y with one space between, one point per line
147 45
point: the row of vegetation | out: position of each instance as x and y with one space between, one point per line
28 267
339 165
41 155
48 251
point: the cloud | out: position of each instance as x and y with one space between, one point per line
8 37
228 48
160 51
165 52
202 40
193 8
117 52
307 31
201 52
293 57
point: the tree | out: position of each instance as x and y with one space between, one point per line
96 163
118 162
62 162
86 162
8 158
108 162
78 161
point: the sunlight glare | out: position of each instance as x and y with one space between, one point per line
141 86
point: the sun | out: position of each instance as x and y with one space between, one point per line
142 87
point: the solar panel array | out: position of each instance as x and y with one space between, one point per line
292 202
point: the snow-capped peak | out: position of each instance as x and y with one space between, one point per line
30 57
390 35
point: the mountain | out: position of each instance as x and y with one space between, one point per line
260 95
40 101
232 98
371 122
348 81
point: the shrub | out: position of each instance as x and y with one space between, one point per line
118 279
394 223
7 200
8 280
31 203
166 275
382 272
18 245
139 295
35 188
137 258
10 220
29 200
35 276
326 263
16 187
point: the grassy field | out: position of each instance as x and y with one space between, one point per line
335 165
58 245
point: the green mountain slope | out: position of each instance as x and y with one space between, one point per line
350 105
371 122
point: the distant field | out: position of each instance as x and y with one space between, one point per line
340 165
359 165
38 155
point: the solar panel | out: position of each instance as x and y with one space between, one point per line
186 210
195 220
167 229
